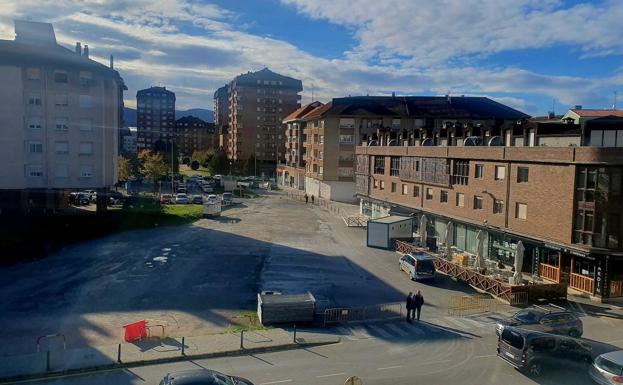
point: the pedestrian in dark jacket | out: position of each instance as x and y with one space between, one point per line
306 198
312 199
409 306
418 301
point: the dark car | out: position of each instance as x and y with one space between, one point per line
115 198
202 377
197 199
547 319
533 352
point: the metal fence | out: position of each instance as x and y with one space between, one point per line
462 305
364 313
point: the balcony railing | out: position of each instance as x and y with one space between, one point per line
549 272
616 288
582 283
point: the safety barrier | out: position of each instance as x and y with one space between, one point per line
462 305
363 313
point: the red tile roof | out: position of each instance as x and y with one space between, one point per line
598 113
318 111
297 114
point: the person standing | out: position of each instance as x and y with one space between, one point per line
306 198
418 301
312 199
409 306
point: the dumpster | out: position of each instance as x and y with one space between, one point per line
381 231
277 308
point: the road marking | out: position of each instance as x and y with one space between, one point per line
455 322
360 332
414 328
434 362
485 356
380 331
276 382
390 367
475 323
398 330
331 375
347 333
438 322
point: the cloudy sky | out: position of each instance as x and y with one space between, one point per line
525 53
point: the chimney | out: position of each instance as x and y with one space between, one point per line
85 51
78 48
112 63
578 107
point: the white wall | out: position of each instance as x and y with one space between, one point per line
377 234
342 191
312 186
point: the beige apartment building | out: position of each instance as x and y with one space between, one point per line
61 114
258 102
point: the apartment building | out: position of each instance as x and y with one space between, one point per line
61 114
155 117
258 102
194 134
221 114
532 181
291 173
127 141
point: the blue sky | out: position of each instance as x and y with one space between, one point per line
525 53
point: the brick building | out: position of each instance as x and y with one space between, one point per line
194 134
155 117
258 101
561 201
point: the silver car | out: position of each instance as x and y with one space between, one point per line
607 369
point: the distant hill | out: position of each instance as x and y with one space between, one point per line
129 115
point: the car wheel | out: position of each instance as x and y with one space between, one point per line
535 369
574 333
412 276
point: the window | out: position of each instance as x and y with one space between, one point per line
521 210
500 172
396 123
60 76
33 74
382 185
345 171
61 147
405 189
429 193
522 174
34 170
379 165
34 123
85 78
86 101
86 171
86 124
460 200
61 124
460 173
35 147
346 139
395 166
376 183
393 187
320 138
34 99
480 171
86 148
443 196
61 171
416 191
61 100
347 123
477 203
498 206
320 169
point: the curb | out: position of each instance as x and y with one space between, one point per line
155 361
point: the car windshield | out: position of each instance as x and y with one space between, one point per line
425 266
527 316
513 338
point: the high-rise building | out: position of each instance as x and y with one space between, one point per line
258 101
193 134
221 114
61 114
155 117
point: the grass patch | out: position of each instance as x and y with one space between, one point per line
246 320
185 170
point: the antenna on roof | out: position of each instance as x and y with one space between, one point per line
614 106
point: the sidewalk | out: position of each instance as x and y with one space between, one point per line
339 208
91 359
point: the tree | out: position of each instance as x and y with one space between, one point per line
203 157
152 165
249 165
219 164
125 168
194 165
165 148
186 160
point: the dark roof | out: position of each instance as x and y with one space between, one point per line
300 112
606 122
251 78
556 128
462 107
155 89
318 111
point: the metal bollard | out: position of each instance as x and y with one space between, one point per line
294 340
119 353
47 361
183 345
241 339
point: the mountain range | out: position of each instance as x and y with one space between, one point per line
129 115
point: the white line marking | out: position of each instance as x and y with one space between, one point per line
435 362
331 375
416 329
360 332
347 333
276 382
474 323
390 367
455 322
398 330
486 356
380 331
439 322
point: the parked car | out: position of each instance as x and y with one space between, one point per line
91 194
228 197
608 368
418 266
197 199
547 319
182 199
206 188
212 198
202 377
166 199
116 198
533 352
79 199
181 190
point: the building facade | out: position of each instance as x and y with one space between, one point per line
127 138
258 102
155 117
221 114
291 173
194 134
61 114
561 201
